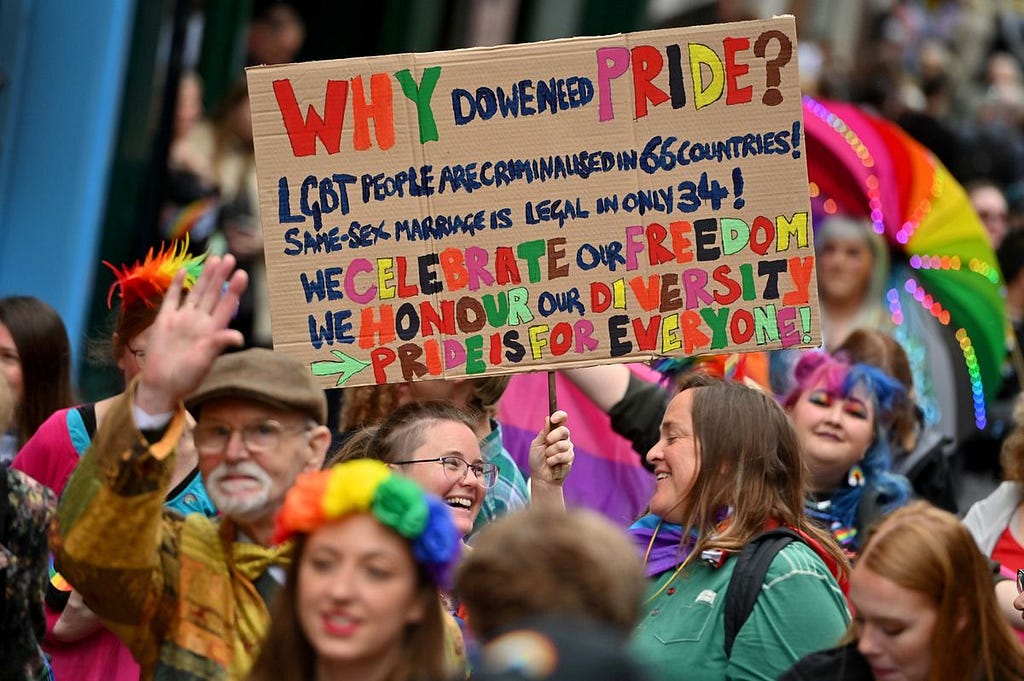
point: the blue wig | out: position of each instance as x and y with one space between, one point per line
887 394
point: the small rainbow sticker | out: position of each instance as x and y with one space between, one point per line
57 580
844 534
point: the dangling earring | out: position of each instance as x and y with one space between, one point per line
856 476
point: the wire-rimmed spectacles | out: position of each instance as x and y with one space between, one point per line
455 469
213 438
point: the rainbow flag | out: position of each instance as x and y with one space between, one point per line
607 475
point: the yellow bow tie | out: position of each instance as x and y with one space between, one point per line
252 560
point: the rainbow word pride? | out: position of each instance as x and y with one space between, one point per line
717 74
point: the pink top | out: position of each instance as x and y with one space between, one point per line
49 456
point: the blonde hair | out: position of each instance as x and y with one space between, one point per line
927 550
841 227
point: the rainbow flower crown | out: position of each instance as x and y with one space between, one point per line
146 281
369 486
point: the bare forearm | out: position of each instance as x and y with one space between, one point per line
76 621
1006 592
604 385
546 496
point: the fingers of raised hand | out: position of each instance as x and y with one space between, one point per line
206 293
559 452
559 434
559 463
227 300
172 297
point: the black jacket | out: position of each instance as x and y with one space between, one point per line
837 664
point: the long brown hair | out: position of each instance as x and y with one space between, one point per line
755 469
287 655
44 353
927 550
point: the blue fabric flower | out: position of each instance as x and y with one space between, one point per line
437 547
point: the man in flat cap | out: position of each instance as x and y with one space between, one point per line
188 595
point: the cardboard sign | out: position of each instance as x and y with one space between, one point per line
509 209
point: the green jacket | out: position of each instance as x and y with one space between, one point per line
681 634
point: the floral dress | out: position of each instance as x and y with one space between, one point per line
26 509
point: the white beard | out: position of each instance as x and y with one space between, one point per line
246 505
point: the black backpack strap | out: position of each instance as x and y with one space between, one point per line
88 414
748 578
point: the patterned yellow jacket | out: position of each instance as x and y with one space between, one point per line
167 585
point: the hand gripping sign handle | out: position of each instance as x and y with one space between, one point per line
560 471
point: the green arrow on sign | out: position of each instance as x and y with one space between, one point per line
346 366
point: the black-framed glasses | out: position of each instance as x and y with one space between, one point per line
213 438
455 469
139 355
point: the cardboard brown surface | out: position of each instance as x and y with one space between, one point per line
525 207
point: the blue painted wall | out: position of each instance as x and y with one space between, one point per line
64 63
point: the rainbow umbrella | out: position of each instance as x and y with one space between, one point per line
862 165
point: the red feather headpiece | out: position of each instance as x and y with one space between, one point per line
148 280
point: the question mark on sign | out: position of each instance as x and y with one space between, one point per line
773 67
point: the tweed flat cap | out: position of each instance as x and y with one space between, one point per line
264 376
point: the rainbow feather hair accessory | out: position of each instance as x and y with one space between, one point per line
730 367
369 486
148 280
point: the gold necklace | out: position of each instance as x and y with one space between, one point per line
647 554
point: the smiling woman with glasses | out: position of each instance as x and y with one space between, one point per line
437 444
439 438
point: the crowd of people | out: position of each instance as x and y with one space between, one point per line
783 546
819 536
